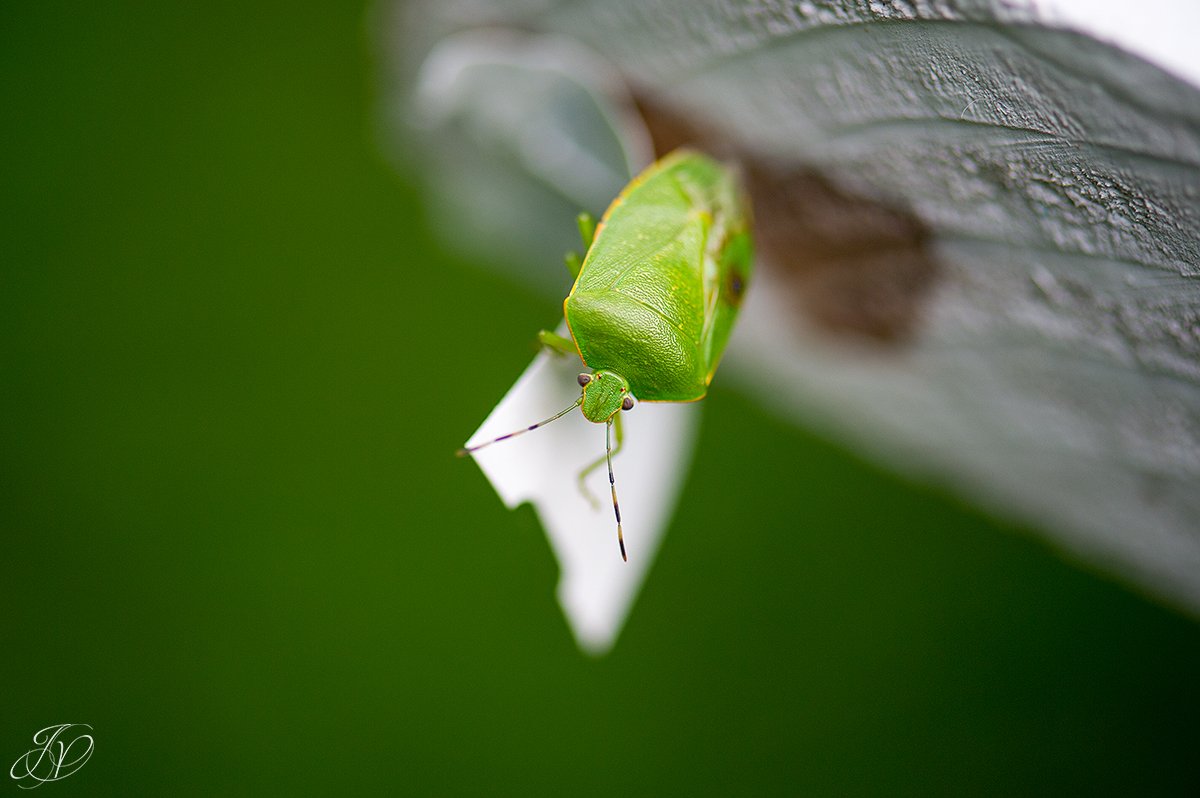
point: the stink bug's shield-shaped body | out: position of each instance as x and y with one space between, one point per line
659 290
656 296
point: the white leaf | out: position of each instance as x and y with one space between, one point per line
596 588
1048 183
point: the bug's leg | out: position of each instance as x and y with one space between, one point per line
574 264
599 461
587 229
556 343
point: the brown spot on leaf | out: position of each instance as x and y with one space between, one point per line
735 287
853 265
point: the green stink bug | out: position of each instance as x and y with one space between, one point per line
656 295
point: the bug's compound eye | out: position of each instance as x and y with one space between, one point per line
627 403
584 379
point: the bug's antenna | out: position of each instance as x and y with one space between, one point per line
464 451
612 484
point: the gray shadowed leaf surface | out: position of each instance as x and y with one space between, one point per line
980 240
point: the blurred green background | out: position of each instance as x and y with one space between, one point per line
235 540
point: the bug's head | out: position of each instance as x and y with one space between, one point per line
604 393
